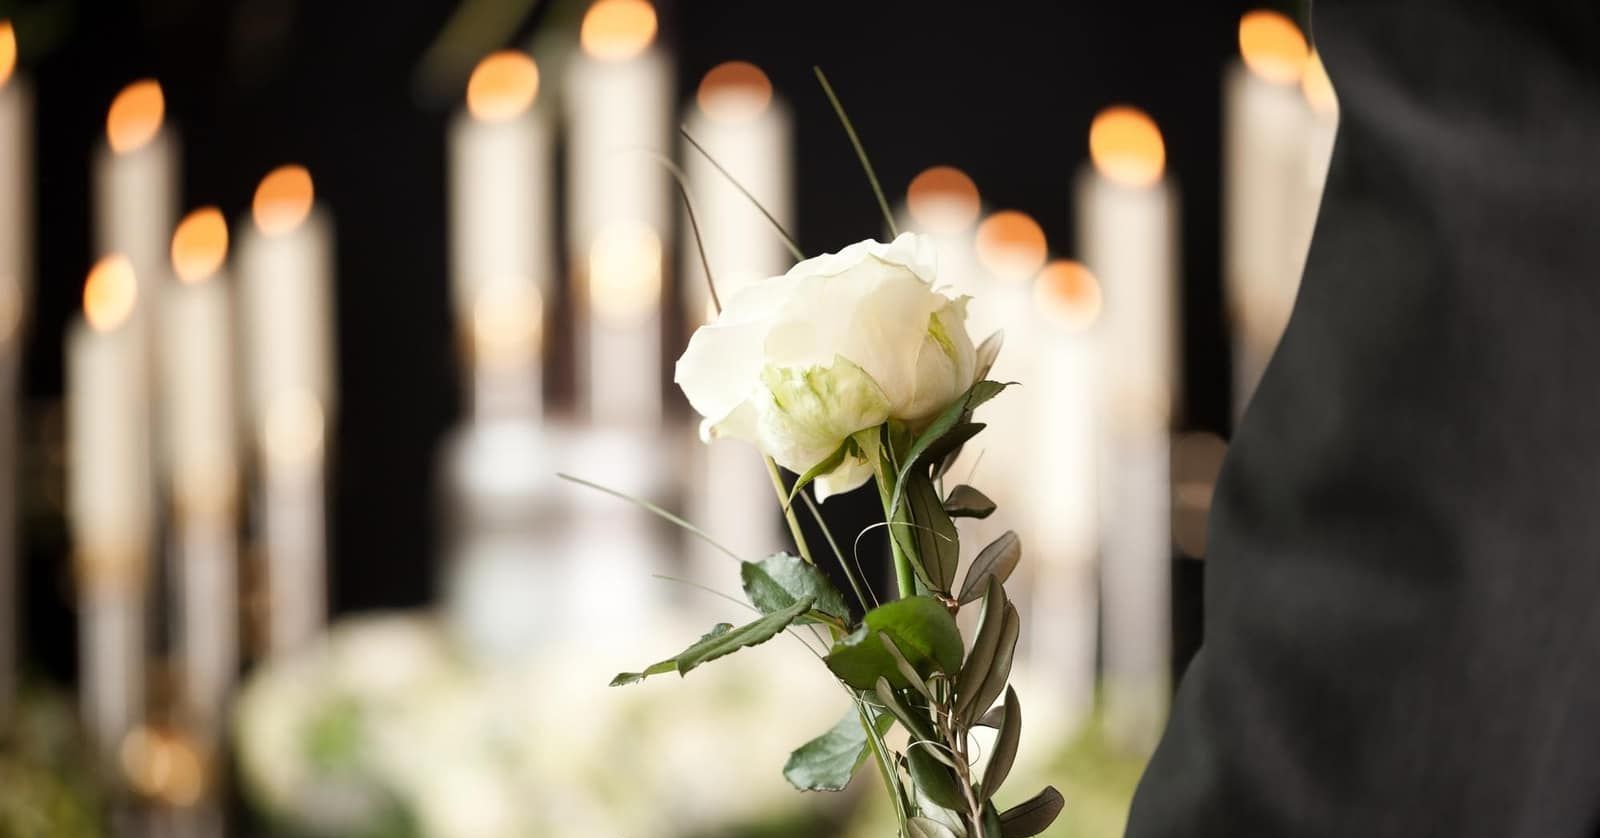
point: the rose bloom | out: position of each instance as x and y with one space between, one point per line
831 350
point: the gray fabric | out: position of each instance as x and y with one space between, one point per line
1402 598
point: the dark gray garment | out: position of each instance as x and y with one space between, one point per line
1402 599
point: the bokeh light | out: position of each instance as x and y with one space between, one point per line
200 245
1272 46
942 199
1126 146
135 116
1012 246
734 91
617 30
283 200
110 293
502 86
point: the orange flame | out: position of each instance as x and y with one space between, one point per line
1068 294
110 293
616 30
1011 245
8 51
1126 146
502 86
734 91
199 245
135 116
283 200
943 200
1272 46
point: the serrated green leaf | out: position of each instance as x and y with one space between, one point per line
1032 816
670 664
933 777
920 627
827 762
967 502
929 828
998 560
777 581
1005 747
720 642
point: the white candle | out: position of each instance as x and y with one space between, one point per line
109 501
1127 232
1062 535
1010 248
1265 226
501 221
136 173
16 270
619 111
286 274
199 431
739 121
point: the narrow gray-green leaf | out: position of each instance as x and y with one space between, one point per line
670 664
827 762
928 535
992 718
915 725
1033 815
967 502
749 634
929 828
948 818
998 560
944 423
777 581
934 778
992 828
1005 747
999 671
907 671
991 624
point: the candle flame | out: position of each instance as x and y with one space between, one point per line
283 200
1068 294
292 431
502 86
625 273
507 321
943 200
1272 46
1318 87
163 765
1011 245
135 116
200 245
734 91
1126 146
109 293
616 30
8 51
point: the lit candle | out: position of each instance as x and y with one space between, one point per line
619 100
16 226
943 204
136 173
1265 233
1127 232
500 230
286 274
1062 534
739 121
109 500
198 431
1010 248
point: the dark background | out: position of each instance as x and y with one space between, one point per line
1004 90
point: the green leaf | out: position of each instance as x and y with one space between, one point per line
948 818
967 502
907 671
927 535
722 641
991 624
991 719
670 664
827 762
933 778
1032 816
951 442
916 725
957 413
921 628
997 560
1005 747
992 828
1000 670
778 581
929 828
825 467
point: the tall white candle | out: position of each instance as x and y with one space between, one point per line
1127 232
16 270
739 121
199 432
501 223
1062 536
1265 233
109 501
286 274
136 183
619 99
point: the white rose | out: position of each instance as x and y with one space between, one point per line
840 344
